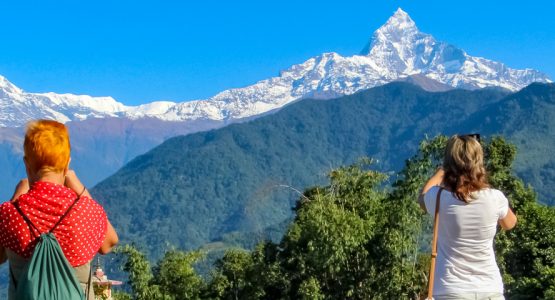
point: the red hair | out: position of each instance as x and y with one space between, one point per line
46 146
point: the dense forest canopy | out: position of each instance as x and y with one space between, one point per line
358 238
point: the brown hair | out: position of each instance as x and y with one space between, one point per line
46 146
464 167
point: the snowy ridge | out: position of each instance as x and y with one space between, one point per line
396 50
17 107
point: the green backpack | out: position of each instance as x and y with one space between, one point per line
48 275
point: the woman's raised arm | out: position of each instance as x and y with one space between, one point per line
436 179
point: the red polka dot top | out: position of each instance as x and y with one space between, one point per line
80 234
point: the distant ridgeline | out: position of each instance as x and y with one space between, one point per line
238 183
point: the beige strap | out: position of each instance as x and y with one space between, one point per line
434 247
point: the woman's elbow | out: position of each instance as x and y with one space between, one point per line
509 222
512 224
107 246
110 240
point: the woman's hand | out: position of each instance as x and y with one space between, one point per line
436 179
21 188
73 182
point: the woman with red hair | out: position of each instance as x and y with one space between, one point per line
52 196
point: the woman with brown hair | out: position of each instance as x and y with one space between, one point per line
469 213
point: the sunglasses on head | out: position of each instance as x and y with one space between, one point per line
473 135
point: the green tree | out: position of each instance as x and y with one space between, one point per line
248 275
336 247
173 278
175 275
231 280
355 219
140 274
121 296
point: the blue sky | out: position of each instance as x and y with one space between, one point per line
141 51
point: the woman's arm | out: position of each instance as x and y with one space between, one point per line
21 188
509 221
436 179
110 240
73 182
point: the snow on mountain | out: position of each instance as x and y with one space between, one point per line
17 107
395 51
398 47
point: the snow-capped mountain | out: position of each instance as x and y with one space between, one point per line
396 50
17 107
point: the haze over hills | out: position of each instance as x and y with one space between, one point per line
99 146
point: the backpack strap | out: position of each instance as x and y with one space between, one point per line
87 291
32 226
13 277
65 214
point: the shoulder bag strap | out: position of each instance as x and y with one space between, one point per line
434 246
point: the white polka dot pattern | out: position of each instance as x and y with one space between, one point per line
80 233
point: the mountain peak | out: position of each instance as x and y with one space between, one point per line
397 28
400 18
400 21
9 87
400 12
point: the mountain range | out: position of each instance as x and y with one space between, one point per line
107 134
396 50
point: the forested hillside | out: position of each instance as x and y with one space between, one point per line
197 188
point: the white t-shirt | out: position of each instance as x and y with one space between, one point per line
465 261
